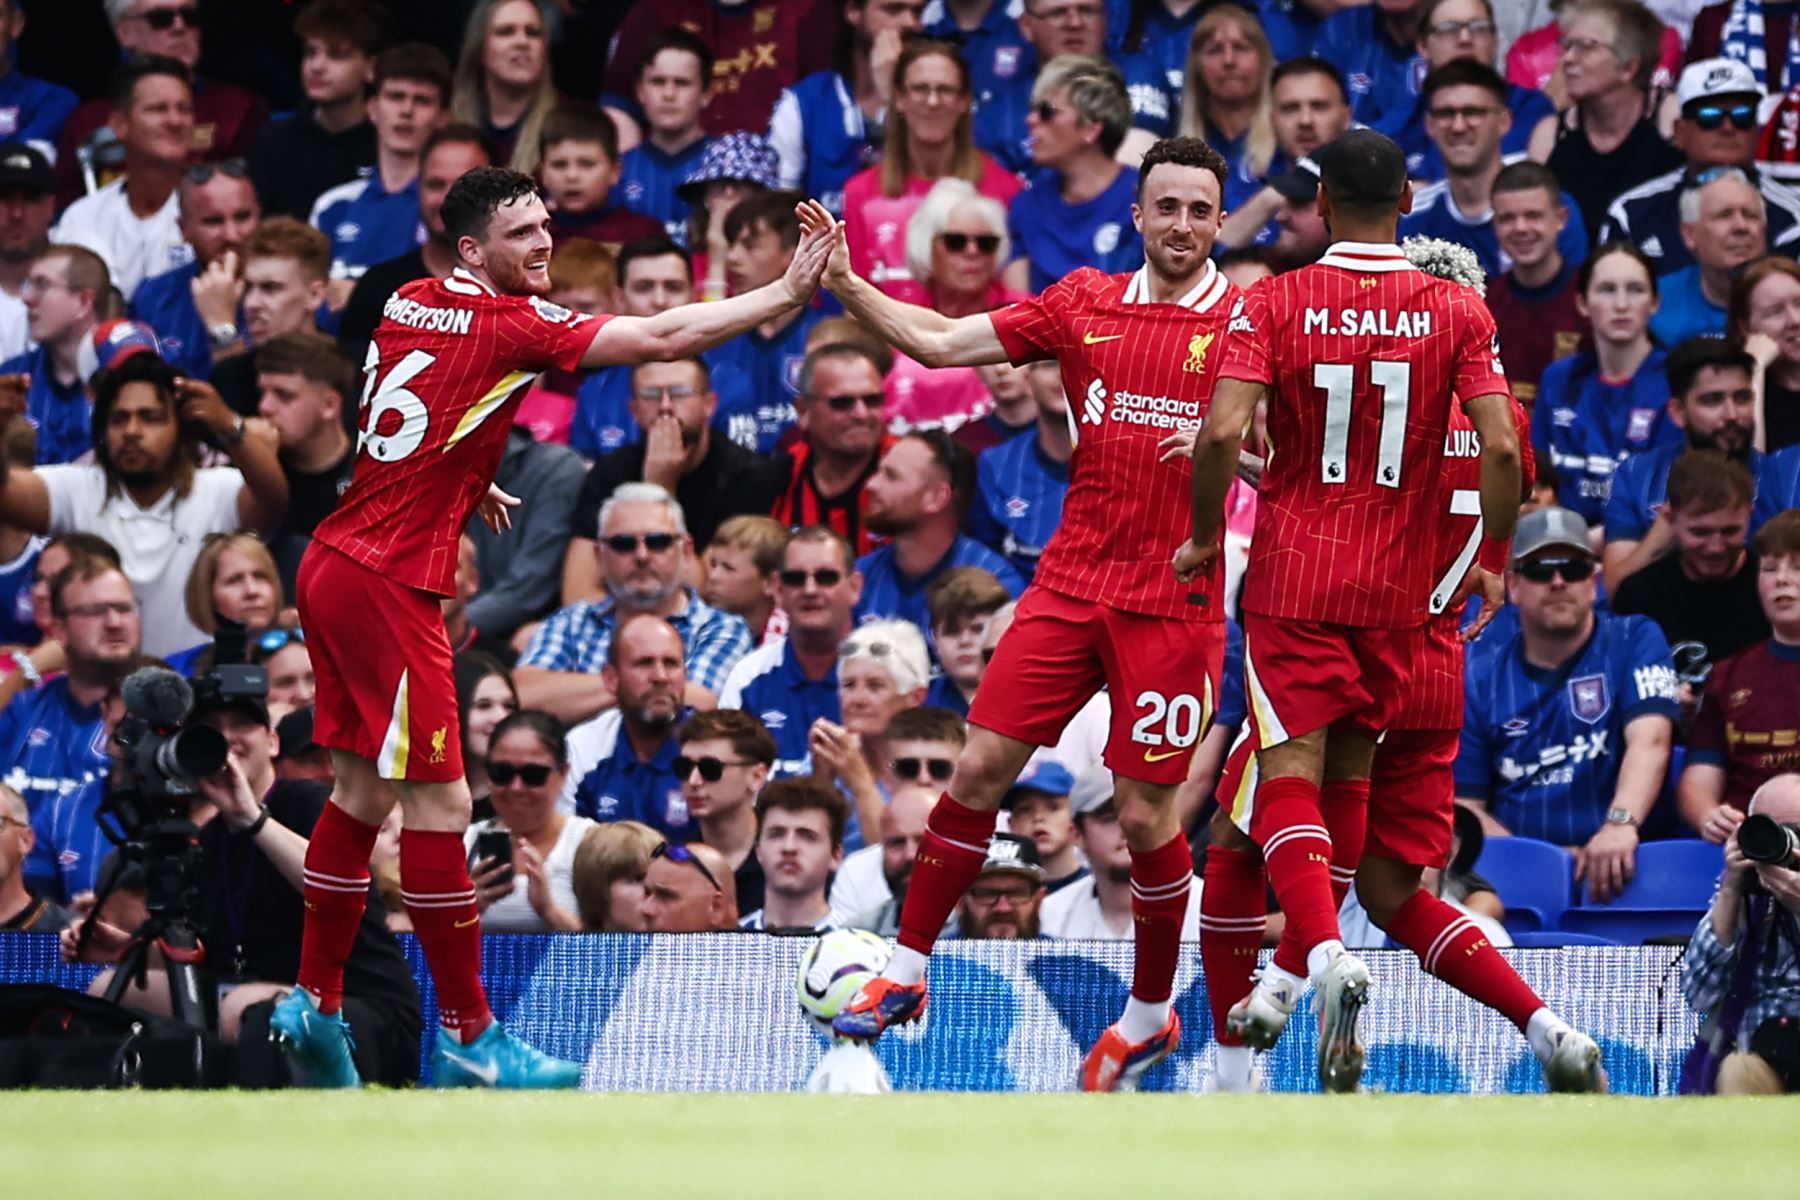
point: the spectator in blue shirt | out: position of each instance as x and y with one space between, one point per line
1020 484
31 110
883 669
961 602
919 496
1466 118
757 373
63 289
195 308
53 738
1724 222
376 217
654 276
1375 48
643 547
1568 720
622 763
831 124
674 84
791 684
1077 213
988 33
1227 99
1453 30
1711 400
1598 407
1309 106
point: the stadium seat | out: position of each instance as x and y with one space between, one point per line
1679 874
1556 939
1632 926
1531 877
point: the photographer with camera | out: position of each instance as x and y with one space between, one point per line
247 880
1742 967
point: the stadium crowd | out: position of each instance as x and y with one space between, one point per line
715 675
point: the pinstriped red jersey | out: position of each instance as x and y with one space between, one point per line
445 372
1135 372
1361 352
1434 699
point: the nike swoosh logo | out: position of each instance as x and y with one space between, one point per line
1088 339
467 923
1151 756
488 1073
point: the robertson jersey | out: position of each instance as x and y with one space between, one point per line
444 374
1135 371
1362 352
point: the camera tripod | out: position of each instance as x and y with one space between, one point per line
167 850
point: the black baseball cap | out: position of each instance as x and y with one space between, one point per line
24 166
1300 185
295 732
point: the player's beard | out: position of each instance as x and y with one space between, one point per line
1164 263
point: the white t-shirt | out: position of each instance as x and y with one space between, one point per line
157 545
15 326
134 247
860 886
1074 912
514 914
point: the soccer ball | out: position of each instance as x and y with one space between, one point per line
833 969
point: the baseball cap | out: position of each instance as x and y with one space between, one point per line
295 733
740 155
1015 854
112 342
1711 77
1092 792
23 166
1561 528
1299 185
1044 775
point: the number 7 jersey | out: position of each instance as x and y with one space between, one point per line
445 372
1362 353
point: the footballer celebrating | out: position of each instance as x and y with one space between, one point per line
1359 357
1410 817
1139 354
445 373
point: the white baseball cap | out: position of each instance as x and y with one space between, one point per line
1715 77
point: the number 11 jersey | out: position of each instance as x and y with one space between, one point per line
1362 353
445 372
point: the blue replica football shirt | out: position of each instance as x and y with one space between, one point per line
166 304
1586 426
1778 484
756 379
1641 485
647 181
1018 500
62 416
996 50
820 137
886 592
1383 76
769 684
1424 164
603 420
1543 747
1059 237
368 224
618 787
1435 214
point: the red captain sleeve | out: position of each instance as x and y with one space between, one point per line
1247 339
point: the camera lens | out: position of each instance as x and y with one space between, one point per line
192 754
1765 840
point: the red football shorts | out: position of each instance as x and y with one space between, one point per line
1412 796
1434 697
1163 676
385 687
1305 675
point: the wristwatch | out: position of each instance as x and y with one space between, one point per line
1622 816
222 335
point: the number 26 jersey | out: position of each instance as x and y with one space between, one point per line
1362 353
445 372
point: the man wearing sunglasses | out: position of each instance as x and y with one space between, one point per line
724 762
1718 127
1569 716
227 118
842 438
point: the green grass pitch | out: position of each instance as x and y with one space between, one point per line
398 1145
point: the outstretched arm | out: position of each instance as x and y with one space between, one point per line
691 328
924 334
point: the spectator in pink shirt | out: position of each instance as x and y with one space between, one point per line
930 136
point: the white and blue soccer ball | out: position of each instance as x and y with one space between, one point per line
833 969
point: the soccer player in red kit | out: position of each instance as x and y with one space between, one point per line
1139 354
445 372
1359 357
1411 802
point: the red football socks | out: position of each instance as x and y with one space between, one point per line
440 899
1233 916
1344 803
1297 851
950 857
336 891
1452 947
1160 881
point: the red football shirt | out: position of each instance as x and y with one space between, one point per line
445 372
1362 352
1134 371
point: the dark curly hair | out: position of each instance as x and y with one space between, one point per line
109 385
473 199
1182 152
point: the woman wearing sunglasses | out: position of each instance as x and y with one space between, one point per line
529 889
283 654
956 244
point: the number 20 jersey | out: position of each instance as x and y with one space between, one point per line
446 370
1361 352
